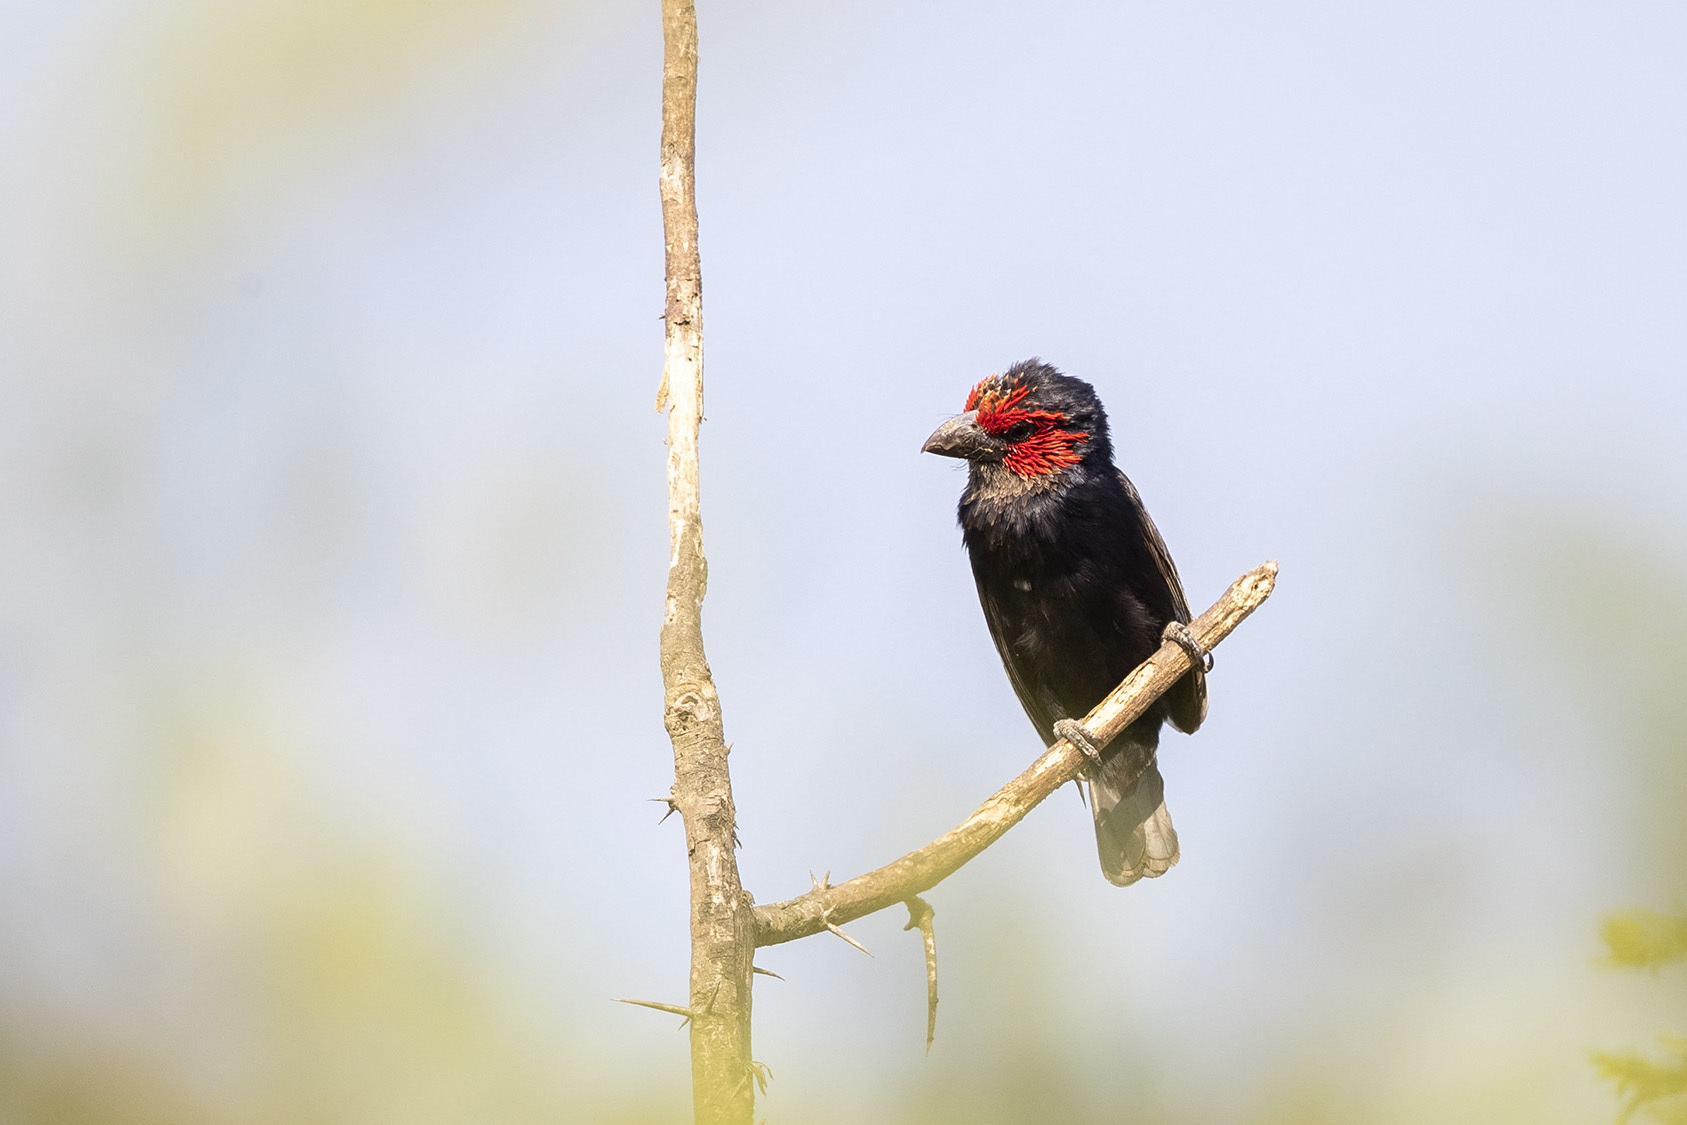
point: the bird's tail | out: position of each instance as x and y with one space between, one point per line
1133 830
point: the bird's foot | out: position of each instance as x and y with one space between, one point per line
1178 633
1073 731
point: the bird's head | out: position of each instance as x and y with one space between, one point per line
1030 420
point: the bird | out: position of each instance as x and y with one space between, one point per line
1077 588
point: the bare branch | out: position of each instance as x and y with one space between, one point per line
725 927
921 916
722 928
920 870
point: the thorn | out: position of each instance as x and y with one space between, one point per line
673 1009
765 972
920 914
709 1008
673 807
843 935
849 939
824 883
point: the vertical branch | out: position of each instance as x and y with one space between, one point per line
722 926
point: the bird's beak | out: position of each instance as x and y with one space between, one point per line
962 436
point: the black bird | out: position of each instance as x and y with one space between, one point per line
1077 587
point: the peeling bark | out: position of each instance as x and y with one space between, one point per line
722 927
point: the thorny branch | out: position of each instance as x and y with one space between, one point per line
722 929
725 929
827 907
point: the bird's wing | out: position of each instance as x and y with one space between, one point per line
1186 702
1042 711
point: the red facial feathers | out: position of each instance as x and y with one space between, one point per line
1045 450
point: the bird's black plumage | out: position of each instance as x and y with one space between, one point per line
1076 585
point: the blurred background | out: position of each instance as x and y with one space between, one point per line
333 540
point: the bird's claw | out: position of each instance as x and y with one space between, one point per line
1178 633
1073 731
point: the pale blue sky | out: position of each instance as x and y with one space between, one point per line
327 396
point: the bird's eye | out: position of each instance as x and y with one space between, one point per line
1019 431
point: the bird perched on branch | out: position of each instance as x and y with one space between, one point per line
1078 589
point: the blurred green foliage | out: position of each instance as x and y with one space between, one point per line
66 1079
331 980
239 92
1658 1089
1644 939
1618 611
